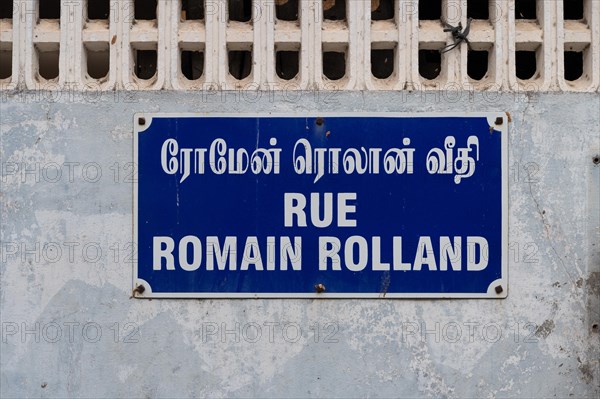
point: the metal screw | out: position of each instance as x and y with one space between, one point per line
499 289
319 121
319 288
138 290
499 121
141 121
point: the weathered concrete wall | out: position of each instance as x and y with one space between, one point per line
66 276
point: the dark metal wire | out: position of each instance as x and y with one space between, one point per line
458 34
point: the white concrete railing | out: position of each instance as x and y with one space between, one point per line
38 53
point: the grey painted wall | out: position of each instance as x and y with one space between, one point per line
66 279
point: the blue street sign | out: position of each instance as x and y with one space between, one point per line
332 206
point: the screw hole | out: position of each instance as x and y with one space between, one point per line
319 121
319 288
596 160
138 290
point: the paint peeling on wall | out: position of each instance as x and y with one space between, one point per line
70 329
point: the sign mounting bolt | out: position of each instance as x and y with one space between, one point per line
319 288
138 290
141 121
499 120
319 121
499 289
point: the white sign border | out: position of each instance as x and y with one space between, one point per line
491 293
